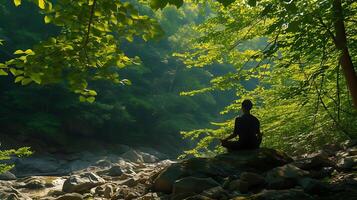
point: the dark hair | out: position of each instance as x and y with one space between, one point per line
247 104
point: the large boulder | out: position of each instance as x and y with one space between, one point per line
314 162
132 156
37 166
193 185
224 165
284 177
10 193
71 196
292 194
164 182
82 183
7 176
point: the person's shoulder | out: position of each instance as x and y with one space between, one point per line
255 118
238 118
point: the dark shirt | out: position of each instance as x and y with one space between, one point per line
248 128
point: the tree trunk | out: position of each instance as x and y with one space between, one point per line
341 44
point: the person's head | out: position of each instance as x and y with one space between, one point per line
247 105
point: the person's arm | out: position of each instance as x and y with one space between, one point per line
235 131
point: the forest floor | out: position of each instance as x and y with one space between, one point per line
263 174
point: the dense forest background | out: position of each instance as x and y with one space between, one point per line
149 113
187 66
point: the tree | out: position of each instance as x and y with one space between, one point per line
87 48
290 51
331 16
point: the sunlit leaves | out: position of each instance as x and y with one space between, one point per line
8 154
17 2
41 4
285 58
87 50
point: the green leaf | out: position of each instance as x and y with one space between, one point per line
252 3
26 81
177 3
157 4
90 99
41 4
18 79
125 82
3 73
17 2
48 19
19 52
82 99
13 71
36 78
29 52
226 2
92 93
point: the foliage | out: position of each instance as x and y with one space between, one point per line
148 113
86 50
7 154
300 94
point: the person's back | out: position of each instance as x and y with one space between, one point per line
247 127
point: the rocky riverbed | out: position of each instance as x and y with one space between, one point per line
263 174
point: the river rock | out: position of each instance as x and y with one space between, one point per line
71 196
7 176
314 162
221 166
165 180
193 184
284 177
115 171
10 193
347 163
82 182
292 194
132 156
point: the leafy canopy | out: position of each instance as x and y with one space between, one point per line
87 48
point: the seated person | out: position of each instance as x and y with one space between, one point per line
247 127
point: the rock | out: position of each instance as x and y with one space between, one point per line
193 184
108 191
115 171
82 182
314 162
150 196
71 196
239 185
103 163
37 166
252 180
183 195
216 193
347 163
292 194
198 197
223 165
34 184
313 186
132 156
164 182
248 182
284 177
147 158
10 193
130 182
7 176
